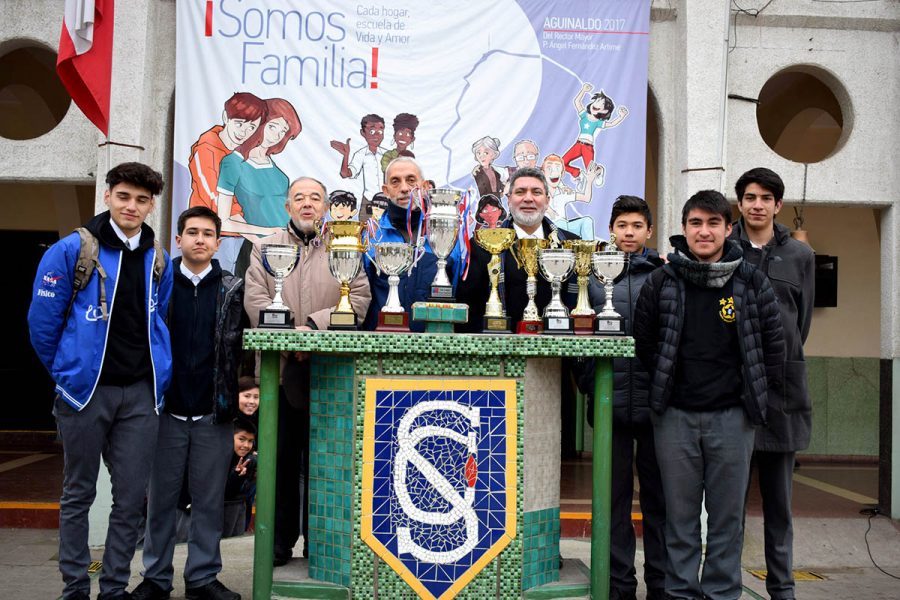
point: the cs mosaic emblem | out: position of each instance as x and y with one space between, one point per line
439 478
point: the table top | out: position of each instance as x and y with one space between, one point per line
482 344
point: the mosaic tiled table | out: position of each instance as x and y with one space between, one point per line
434 464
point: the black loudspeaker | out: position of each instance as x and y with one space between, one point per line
826 280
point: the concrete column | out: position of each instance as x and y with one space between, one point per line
143 77
890 351
697 135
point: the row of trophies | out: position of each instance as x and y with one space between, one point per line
345 247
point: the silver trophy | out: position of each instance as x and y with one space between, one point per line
556 265
606 265
278 260
443 227
394 258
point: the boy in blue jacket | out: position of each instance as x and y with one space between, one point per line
110 357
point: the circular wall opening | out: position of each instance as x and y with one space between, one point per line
32 98
799 115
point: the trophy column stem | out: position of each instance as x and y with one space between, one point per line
555 308
608 308
277 301
531 312
393 300
494 307
344 305
583 306
440 278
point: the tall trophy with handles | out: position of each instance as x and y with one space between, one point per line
344 245
443 228
278 260
527 252
394 259
583 314
607 263
556 265
495 241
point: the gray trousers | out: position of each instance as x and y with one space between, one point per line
119 424
704 453
204 449
775 470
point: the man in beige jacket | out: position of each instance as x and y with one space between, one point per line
311 293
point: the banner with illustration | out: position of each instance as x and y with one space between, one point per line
269 90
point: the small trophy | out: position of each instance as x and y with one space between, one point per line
607 263
495 241
278 260
556 264
525 252
443 227
345 249
582 315
394 258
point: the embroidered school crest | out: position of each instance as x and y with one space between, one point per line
726 312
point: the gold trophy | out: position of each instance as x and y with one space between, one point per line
345 249
495 241
582 315
526 252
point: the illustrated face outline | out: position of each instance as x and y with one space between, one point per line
274 132
485 156
238 130
403 137
373 133
525 154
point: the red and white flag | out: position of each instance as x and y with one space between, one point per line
84 62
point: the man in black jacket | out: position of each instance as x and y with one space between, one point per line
195 432
632 434
790 266
708 329
528 202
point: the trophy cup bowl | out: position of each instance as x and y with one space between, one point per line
526 252
606 265
495 241
394 258
582 315
443 228
345 249
556 264
278 260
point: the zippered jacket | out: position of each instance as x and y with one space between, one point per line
72 346
659 318
631 382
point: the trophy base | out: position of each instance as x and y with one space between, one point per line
609 326
270 318
441 293
393 322
496 325
583 324
530 327
558 325
342 321
440 317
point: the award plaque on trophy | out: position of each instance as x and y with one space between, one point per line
394 258
495 241
607 264
583 315
443 227
556 264
345 249
278 260
526 252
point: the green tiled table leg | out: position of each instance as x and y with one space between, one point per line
579 422
264 536
602 464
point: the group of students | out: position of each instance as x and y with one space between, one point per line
720 361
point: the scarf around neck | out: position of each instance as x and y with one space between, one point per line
708 275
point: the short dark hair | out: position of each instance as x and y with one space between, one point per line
247 382
370 117
342 198
202 212
709 201
406 121
630 204
137 174
529 172
380 200
763 177
241 424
